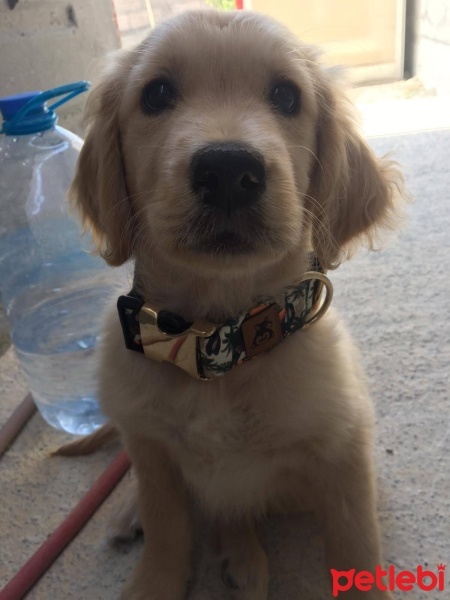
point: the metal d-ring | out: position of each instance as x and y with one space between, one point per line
328 297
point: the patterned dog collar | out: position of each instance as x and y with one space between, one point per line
205 350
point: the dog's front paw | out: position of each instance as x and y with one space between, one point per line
246 575
152 583
126 525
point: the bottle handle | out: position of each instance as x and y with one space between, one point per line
68 92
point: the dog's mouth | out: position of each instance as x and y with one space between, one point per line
225 243
211 233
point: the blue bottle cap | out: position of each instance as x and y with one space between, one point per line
28 112
39 118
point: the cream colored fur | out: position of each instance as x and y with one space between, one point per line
292 429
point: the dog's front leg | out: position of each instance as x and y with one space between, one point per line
164 570
347 508
244 562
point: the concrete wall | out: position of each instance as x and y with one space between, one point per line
48 43
432 44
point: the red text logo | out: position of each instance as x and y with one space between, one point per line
390 579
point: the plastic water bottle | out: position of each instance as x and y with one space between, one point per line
52 289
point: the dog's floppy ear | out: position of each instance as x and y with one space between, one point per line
99 190
352 192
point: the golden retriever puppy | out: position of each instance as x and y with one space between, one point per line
223 159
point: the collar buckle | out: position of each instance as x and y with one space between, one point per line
172 325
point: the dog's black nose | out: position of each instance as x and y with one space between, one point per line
228 176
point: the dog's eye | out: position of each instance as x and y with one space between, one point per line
157 96
285 97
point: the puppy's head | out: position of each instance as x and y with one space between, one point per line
220 141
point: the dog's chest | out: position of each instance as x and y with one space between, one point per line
230 452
